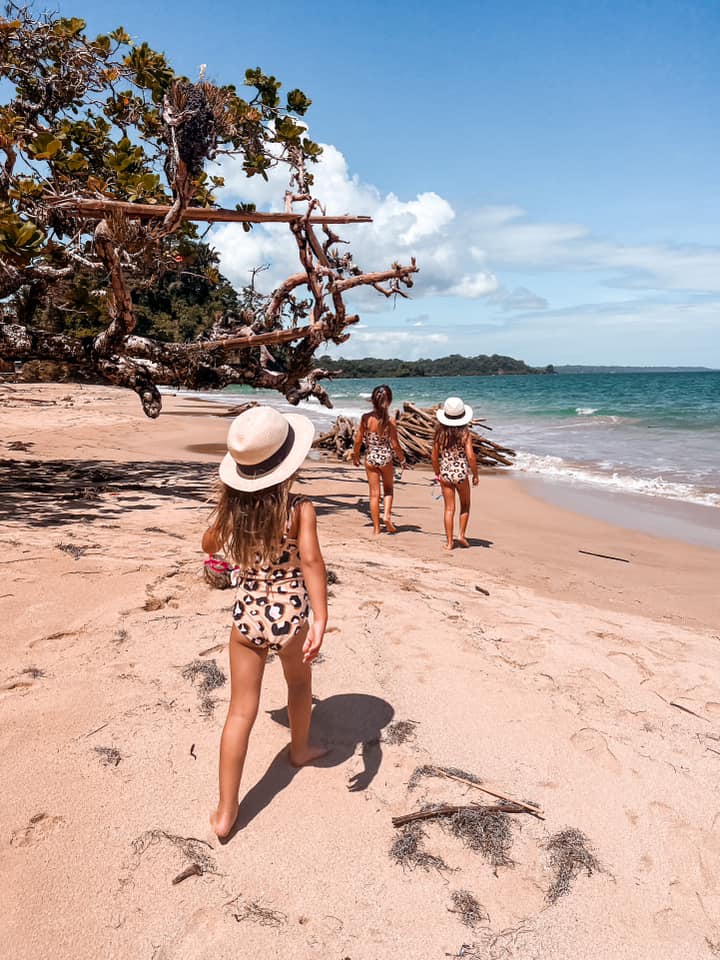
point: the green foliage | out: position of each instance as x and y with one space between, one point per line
179 305
188 298
19 239
88 117
454 365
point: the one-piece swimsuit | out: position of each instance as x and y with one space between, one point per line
454 466
378 449
271 602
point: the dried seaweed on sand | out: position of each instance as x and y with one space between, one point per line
471 912
484 831
400 732
408 851
570 854
253 911
34 672
192 849
109 756
74 550
211 677
433 770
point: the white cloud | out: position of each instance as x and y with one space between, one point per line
392 343
424 227
518 299
474 285
508 240
465 253
419 321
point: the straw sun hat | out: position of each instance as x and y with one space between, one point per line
454 413
265 447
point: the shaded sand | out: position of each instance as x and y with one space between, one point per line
589 686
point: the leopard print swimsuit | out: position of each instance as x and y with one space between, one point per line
454 466
378 449
271 602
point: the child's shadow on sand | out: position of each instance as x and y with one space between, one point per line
341 722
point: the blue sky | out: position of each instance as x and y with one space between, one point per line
553 165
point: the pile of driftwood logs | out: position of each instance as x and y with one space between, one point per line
416 428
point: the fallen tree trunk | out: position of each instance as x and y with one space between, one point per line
416 429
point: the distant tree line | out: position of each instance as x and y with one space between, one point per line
453 366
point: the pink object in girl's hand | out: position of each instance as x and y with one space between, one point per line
216 571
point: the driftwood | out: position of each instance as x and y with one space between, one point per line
603 556
415 428
448 809
194 870
532 808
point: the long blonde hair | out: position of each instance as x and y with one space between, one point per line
450 438
250 526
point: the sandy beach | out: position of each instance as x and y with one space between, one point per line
587 685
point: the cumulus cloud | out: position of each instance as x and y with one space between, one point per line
464 254
423 226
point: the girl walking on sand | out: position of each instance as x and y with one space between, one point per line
379 434
453 459
270 537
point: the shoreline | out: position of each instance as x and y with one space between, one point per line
577 477
671 517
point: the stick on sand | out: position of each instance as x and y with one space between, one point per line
530 807
604 556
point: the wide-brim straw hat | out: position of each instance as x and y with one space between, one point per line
454 413
265 447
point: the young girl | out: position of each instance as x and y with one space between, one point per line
270 536
453 458
381 439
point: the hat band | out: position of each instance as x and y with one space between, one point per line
454 416
253 470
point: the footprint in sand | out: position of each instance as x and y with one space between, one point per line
593 743
39 827
712 707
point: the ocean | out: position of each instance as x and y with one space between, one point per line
656 434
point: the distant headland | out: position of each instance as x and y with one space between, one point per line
452 366
483 365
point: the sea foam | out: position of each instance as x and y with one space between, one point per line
559 469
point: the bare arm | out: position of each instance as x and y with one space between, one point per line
436 459
315 577
396 443
358 441
471 458
209 541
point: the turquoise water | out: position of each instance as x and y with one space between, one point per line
651 433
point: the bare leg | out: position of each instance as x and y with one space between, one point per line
388 482
448 492
298 676
463 490
247 665
373 475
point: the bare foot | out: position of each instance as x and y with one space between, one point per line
463 542
376 531
302 758
222 823
449 546
390 526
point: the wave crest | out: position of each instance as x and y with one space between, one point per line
556 467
